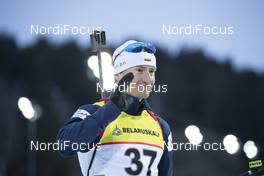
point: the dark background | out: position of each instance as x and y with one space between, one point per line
201 91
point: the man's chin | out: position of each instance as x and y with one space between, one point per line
143 96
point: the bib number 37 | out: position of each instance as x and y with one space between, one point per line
134 154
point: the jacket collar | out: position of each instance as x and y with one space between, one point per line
137 107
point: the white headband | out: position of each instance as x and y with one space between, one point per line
124 60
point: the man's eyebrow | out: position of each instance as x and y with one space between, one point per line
141 67
145 68
137 67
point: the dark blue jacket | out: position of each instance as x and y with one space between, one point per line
87 130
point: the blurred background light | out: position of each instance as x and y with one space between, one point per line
231 144
250 149
25 106
108 79
193 134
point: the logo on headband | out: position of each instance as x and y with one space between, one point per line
147 59
122 63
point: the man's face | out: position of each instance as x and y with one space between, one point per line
143 82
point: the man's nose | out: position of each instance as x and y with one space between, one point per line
147 78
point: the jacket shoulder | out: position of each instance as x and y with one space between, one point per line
85 110
165 127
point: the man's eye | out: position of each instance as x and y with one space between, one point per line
139 70
151 71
